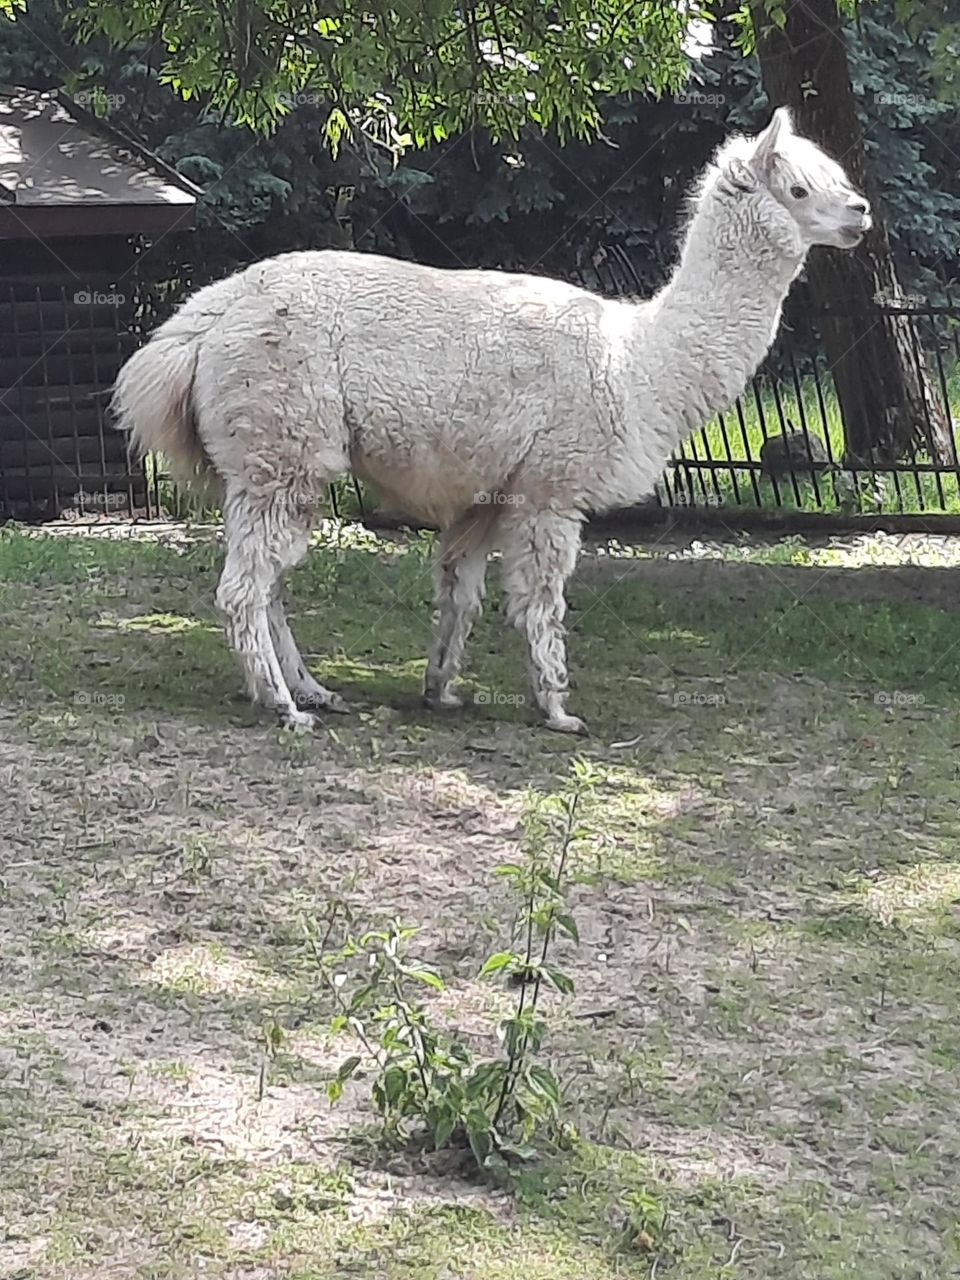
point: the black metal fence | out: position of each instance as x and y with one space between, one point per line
785 443
65 330
781 450
783 447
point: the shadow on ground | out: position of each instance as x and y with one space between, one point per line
762 1041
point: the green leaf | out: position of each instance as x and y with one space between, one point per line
495 1162
395 1084
566 924
542 1080
481 1140
520 1151
348 1067
334 1090
443 1127
501 960
486 1079
427 976
562 981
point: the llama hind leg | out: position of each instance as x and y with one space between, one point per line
539 554
261 541
459 572
308 693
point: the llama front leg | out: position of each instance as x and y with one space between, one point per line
248 632
308 693
460 572
539 554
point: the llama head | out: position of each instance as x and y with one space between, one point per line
801 181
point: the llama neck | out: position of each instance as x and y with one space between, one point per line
715 321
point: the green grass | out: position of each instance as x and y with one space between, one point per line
761 1056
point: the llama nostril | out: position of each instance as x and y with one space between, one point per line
859 206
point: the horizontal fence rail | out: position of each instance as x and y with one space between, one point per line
780 450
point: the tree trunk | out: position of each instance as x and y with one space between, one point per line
887 401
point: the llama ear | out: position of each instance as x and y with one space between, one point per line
769 142
741 175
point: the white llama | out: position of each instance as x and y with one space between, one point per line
503 408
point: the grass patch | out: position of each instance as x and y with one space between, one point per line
760 1055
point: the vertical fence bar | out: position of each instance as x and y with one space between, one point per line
712 466
668 480
952 433
45 349
95 384
762 419
805 428
786 424
24 411
358 490
742 423
71 384
825 422
5 509
945 393
918 487
4 479
724 436
695 473
920 366
122 335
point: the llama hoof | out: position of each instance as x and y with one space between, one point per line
566 724
321 700
443 701
297 721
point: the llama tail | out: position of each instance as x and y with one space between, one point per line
153 401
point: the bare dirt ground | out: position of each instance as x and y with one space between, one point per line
762 1050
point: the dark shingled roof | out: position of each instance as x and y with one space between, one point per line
63 172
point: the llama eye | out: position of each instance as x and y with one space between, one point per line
798 193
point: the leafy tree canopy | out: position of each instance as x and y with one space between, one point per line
406 74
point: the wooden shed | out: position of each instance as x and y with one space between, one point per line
75 201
